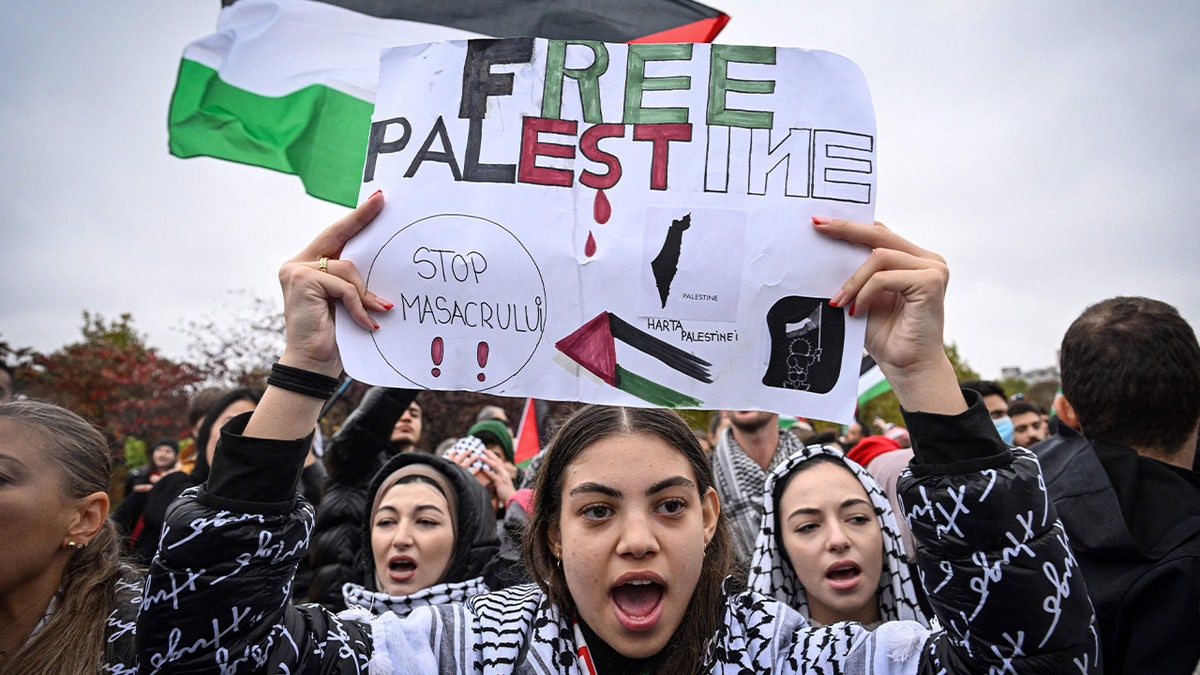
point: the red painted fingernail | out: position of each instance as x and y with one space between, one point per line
377 325
377 192
850 311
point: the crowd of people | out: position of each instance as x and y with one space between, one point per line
979 536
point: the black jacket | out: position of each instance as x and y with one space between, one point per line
1134 525
355 453
990 549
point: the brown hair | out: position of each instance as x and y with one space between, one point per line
88 587
685 651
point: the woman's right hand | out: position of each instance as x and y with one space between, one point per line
309 293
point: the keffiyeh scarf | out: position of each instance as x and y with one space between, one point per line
771 571
739 481
378 602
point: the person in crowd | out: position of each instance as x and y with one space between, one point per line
494 412
129 515
885 459
1120 473
487 466
230 404
163 456
8 383
997 405
1029 427
853 434
803 430
829 545
751 446
429 537
406 433
198 406
67 603
629 565
357 451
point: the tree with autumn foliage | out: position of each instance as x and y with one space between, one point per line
113 379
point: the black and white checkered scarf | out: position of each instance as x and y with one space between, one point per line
378 602
771 571
739 481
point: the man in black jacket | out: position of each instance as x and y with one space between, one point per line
1120 473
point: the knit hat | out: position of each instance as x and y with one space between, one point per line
494 431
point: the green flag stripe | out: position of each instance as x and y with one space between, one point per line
653 392
880 387
317 133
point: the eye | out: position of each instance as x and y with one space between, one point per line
672 507
596 511
805 528
429 522
859 519
385 522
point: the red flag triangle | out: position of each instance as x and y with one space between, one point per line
528 440
592 347
704 30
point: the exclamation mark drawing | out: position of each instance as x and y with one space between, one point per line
481 355
437 350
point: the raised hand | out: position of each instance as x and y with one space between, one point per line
903 288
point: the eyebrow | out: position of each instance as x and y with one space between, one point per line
422 507
808 511
664 484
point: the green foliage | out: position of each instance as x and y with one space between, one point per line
135 452
1013 386
962 371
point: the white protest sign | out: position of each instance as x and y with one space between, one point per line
624 224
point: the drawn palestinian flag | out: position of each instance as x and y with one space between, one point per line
594 346
290 84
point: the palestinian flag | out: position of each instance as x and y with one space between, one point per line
529 433
290 84
594 347
871 382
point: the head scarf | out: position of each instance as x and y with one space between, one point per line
476 541
771 571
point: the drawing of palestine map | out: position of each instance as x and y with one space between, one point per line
666 263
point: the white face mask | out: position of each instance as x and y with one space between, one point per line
1004 425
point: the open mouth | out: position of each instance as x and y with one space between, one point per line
638 603
843 575
401 569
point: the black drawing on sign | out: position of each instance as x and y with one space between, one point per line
666 263
806 344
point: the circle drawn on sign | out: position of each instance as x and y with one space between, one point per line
470 303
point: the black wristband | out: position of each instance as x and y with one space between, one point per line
302 381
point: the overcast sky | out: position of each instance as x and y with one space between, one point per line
1051 151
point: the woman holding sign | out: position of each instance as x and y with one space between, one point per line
629 563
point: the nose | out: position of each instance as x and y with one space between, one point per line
402 536
638 538
838 541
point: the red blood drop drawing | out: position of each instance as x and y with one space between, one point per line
601 209
589 249
481 355
437 350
